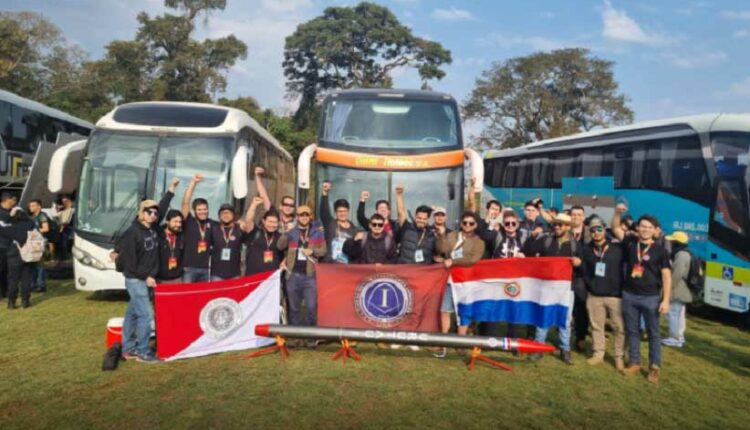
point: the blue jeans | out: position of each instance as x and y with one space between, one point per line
447 305
634 307
562 332
676 320
194 274
38 277
302 287
136 329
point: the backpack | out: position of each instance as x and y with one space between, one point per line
33 250
696 275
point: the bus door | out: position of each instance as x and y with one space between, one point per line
595 194
728 266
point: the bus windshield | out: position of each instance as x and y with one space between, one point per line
731 153
391 124
442 187
122 169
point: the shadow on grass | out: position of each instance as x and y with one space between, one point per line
109 296
735 361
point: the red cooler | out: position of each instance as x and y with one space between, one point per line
114 331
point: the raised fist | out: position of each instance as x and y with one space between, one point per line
197 177
400 189
257 201
359 236
364 195
621 208
326 187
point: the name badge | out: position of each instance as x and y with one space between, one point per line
637 271
202 246
267 256
301 254
226 254
457 253
419 256
600 269
172 263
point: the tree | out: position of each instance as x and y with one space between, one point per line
350 47
546 95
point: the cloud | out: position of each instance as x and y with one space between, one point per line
537 43
741 34
452 14
741 88
695 60
620 27
736 14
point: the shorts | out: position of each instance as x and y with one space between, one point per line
447 305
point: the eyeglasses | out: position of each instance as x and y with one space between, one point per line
376 224
596 229
303 214
153 212
468 223
510 224
557 224
288 205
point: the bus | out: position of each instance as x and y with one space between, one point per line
691 172
25 126
375 139
134 152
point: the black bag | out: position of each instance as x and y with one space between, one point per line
112 357
696 276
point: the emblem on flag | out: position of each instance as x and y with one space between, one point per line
512 289
383 300
220 317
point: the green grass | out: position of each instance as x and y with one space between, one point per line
51 354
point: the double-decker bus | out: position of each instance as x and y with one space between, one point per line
25 125
133 154
375 139
691 172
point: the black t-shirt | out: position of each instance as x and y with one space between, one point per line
169 249
653 259
4 222
262 255
193 233
226 250
606 283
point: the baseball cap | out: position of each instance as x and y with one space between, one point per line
304 209
678 236
226 207
439 210
562 219
147 204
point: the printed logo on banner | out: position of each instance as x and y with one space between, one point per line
220 317
383 300
512 289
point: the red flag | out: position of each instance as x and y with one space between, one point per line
403 296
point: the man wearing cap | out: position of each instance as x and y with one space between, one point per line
416 240
262 254
225 240
560 244
681 295
602 275
304 245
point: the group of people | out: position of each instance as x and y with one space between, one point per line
625 275
19 276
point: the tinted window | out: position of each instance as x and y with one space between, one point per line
170 116
563 166
677 166
591 162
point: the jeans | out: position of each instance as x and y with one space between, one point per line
563 332
447 305
634 307
302 287
194 274
136 329
676 320
39 277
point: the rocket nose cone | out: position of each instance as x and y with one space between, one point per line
529 346
262 330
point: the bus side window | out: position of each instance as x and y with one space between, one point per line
591 162
659 158
510 174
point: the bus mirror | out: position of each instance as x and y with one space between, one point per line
239 172
477 168
65 167
303 166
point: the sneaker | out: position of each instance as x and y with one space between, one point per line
396 346
619 364
413 347
535 357
631 370
653 375
441 354
670 341
566 357
128 356
595 360
147 358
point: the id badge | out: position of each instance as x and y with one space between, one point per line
226 254
202 246
457 253
301 254
172 263
267 256
338 251
600 269
418 256
637 271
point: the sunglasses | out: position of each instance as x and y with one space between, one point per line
376 224
468 223
510 224
288 205
303 214
596 229
557 224
153 212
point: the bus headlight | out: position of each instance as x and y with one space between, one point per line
87 259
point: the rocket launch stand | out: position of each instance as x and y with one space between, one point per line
476 354
280 346
346 351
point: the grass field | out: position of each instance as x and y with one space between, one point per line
51 354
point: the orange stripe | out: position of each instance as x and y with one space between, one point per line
360 160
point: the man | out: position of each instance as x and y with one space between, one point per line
286 210
681 294
559 244
262 254
493 215
602 274
196 228
19 271
439 219
337 230
41 223
139 257
383 207
580 313
304 245
64 223
647 277
7 202
531 225
225 241
417 240
171 249
372 247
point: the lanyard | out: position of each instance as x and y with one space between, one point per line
419 242
172 242
604 251
268 241
303 237
639 254
227 236
201 228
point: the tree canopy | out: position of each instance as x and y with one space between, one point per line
546 95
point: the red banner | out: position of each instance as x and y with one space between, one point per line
403 297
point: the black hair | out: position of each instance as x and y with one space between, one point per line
578 207
199 201
173 213
424 209
377 216
6 196
470 214
340 203
650 218
386 202
271 212
529 203
493 202
37 201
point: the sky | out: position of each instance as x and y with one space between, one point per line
672 57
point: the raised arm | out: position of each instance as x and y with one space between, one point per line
400 206
361 217
545 213
166 199
472 196
247 224
323 208
617 229
261 187
185 208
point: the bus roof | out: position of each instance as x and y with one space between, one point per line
694 124
182 117
15 99
370 93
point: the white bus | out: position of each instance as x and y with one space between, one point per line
134 152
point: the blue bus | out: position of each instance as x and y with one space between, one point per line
691 172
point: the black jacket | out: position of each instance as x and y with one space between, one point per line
15 232
166 252
371 250
139 252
